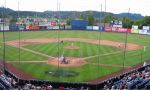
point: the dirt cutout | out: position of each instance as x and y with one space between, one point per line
72 62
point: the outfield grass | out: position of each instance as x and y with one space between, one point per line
87 72
134 38
86 49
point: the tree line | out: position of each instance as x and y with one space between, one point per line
127 22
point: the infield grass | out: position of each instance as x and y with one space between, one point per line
85 49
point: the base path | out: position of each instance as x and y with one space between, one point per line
120 45
38 53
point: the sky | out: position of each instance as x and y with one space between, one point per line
114 6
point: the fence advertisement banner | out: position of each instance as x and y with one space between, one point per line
96 28
123 30
5 28
146 27
34 27
143 32
135 26
89 27
134 31
108 29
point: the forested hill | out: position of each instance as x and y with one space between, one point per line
64 14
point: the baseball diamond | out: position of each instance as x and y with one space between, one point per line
78 56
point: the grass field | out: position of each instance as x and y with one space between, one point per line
86 49
86 72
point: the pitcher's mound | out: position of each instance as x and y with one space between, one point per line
72 47
72 62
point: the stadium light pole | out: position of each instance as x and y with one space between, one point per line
4 48
99 38
105 13
19 51
58 9
105 5
3 39
126 40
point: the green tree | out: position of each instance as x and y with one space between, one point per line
108 18
91 18
146 21
82 16
127 23
68 21
138 22
13 20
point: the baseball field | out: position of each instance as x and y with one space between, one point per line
89 55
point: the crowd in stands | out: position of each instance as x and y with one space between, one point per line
9 83
134 79
138 79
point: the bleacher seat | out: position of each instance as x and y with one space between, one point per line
142 84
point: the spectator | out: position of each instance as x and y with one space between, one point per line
61 87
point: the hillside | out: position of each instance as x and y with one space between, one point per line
63 14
